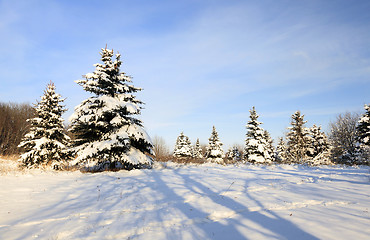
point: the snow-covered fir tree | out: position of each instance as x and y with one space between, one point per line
319 149
233 154
281 149
256 146
183 147
269 146
107 130
363 129
46 143
197 150
297 139
214 152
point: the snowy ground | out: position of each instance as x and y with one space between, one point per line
188 202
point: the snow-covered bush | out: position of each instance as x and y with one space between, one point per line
214 152
45 144
108 133
256 146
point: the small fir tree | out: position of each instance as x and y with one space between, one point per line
46 143
108 132
281 149
214 152
197 150
269 146
298 139
183 147
233 154
256 146
319 149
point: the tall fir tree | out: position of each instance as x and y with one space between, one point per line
297 139
183 147
46 143
214 151
197 150
107 130
256 146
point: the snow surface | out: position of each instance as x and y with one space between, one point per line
171 201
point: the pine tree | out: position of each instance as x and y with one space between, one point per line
45 144
197 150
108 132
183 147
214 152
363 129
298 139
256 146
269 146
233 154
319 149
281 151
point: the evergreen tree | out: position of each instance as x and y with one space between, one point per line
45 144
281 151
214 152
298 139
183 147
269 146
319 148
256 146
233 154
197 150
363 127
108 132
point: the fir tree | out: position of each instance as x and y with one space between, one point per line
233 154
363 127
319 149
256 146
183 147
269 146
45 144
281 151
298 139
108 132
197 150
214 152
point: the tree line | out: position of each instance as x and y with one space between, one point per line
105 132
348 142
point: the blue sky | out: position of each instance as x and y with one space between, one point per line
201 63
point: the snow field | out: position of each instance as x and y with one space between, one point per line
172 201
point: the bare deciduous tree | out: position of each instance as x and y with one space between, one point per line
13 126
161 149
343 136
